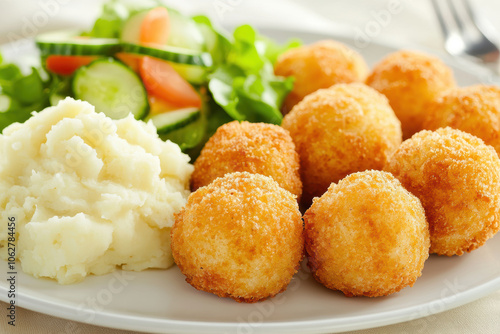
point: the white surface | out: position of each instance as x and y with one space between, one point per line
414 22
446 282
161 301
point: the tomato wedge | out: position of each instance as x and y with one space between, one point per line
131 60
155 27
162 81
66 65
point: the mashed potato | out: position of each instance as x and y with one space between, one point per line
89 194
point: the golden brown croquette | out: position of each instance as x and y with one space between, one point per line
457 178
239 237
319 65
366 236
474 109
410 80
341 130
259 148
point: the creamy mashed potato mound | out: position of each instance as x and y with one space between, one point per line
89 194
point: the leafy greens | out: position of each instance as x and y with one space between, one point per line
241 84
245 85
20 94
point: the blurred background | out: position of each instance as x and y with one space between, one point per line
400 22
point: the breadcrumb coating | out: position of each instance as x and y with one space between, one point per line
410 80
457 178
319 65
257 148
474 109
341 130
239 237
366 236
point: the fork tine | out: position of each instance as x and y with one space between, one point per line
468 9
442 18
458 17
463 30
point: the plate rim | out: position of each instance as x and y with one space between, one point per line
133 322
359 322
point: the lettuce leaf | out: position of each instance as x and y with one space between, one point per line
273 50
20 94
245 85
114 14
216 43
109 24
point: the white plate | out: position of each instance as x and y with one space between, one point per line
161 301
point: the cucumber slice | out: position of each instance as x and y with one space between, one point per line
170 53
69 44
55 99
112 87
189 136
132 28
5 103
194 74
216 43
210 37
172 120
184 33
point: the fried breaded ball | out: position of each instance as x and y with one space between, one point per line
410 80
258 148
474 109
239 237
319 65
341 130
366 236
457 178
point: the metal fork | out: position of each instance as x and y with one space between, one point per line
466 34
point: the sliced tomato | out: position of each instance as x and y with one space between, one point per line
159 106
162 81
155 28
132 61
66 65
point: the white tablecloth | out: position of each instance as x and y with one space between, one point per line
408 23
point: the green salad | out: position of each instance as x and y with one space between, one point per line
180 72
